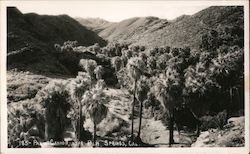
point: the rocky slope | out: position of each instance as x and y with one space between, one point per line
184 30
232 135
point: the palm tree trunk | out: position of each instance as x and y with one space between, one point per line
171 128
94 136
80 123
46 125
133 106
91 80
230 102
139 132
61 116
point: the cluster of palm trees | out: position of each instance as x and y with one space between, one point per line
91 98
180 75
25 123
77 99
184 74
136 68
89 95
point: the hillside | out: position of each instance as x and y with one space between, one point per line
94 24
31 40
188 30
184 30
125 30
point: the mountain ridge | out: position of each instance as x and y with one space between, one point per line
185 30
31 38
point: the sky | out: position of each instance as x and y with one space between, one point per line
114 11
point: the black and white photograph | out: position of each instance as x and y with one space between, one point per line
125 75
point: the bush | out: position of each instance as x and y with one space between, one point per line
217 121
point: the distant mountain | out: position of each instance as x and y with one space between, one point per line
133 29
124 30
94 24
183 31
31 39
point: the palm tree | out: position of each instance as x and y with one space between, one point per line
123 57
143 56
89 66
162 60
100 85
116 63
141 95
167 90
55 97
94 101
99 72
126 54
227 69
135 68
80 85
151 63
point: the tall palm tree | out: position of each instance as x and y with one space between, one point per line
135 68
80 85
167 89
94 101
141 95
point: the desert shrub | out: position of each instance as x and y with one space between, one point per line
207 122
21 92
233 140
216 121
23 85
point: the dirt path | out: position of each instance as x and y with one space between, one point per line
153 132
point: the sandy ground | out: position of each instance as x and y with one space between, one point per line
153 132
